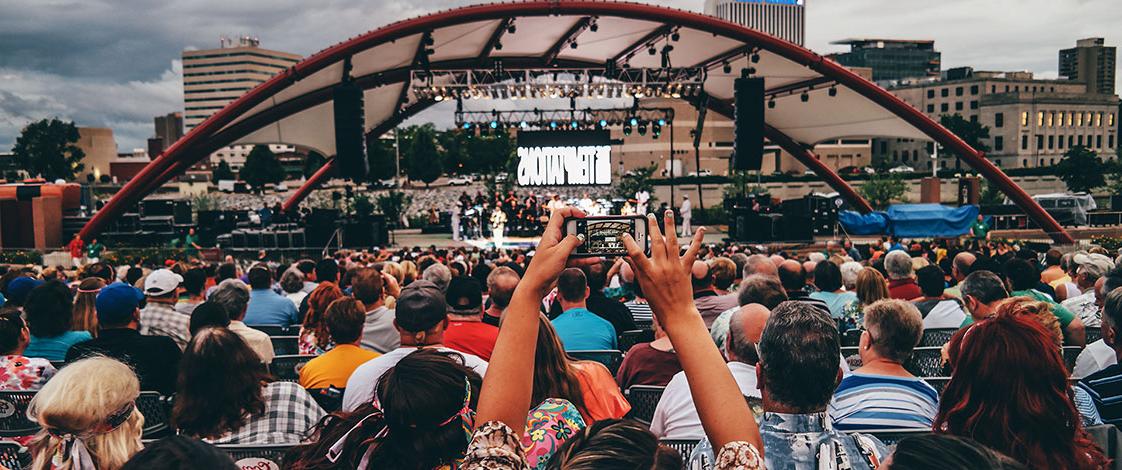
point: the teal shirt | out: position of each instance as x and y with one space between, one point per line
54 348
1062 313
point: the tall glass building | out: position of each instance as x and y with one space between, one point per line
784 19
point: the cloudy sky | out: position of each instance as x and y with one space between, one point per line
115 63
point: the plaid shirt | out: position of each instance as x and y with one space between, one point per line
158 319
290 412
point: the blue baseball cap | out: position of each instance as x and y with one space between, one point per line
20 287
116 303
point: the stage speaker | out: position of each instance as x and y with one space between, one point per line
797 228
350 148
748 147
268 239
182 213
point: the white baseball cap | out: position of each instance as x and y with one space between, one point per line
161 282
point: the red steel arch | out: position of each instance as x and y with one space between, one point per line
213 133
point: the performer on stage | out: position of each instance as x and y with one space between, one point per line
686 212
641 199
498 226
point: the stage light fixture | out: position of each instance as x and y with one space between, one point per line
805 97
573 45
656 128
661 122
642 128
771 104
524 125
494 124
553 124
498 46
627 128
633 121
651 50
833 91
511 29
594 27
675 36
467 125
726 67
755 57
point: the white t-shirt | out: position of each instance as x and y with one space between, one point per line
1095 357
360 387
675 416
945 314
1084 306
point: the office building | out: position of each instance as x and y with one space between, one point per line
100 149
784 19
1093 62
169 128
892 60
1031 122
213 78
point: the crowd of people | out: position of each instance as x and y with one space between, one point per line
429 358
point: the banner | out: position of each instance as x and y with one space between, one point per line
564 158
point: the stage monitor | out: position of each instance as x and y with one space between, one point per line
564 158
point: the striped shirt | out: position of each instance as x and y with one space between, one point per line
640 312
1105 388
865 402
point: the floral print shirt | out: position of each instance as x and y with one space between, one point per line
18 373
548 427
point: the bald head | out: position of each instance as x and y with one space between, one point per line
792 275
746 326
700 276
760 264
501 284
808 266
777 260
960 268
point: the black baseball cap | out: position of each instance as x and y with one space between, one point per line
464 295
420 307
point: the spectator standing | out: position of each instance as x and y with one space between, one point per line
159 316
466 331
85 310
222 375
233 296
155 359
881 394
266 307
332 369
938 309
50 316
378 332
93 251
901 276
421 321
578 328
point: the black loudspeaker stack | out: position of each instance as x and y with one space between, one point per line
350 145
366 233
748 148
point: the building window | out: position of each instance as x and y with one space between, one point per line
1060 143
1060 119
1024 118
1099 142
997 161
1079 119
1099 119
998 143
1040 119
1110 141
973 118
1080 141
999 120
1039 142
974 104
1024 142
958 91
944 107
1070 141
931 93
993 88
1051 142
1007 88
1070 119
930 108
973 89
945 92
1089 117
1051 161
1051 119
1017 88
895 155
1110 120
958 106
1024 163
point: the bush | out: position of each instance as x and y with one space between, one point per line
20 257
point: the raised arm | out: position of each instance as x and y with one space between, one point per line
509 382
665 279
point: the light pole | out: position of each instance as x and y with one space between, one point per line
935 161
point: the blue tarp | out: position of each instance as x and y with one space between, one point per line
856 223
911 220
931 220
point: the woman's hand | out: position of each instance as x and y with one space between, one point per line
665 276
390 286
552 254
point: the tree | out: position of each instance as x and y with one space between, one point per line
1081 170
971 132
47 148
639 179
261 167
381 158
425 158
393 204
881 190
312 163
223 172
457 157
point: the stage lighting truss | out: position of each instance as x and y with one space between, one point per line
502 84
569 119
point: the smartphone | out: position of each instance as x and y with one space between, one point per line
603 235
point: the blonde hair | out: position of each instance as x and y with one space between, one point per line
394 269
80 399
871 286
1039 311
409 272
85 305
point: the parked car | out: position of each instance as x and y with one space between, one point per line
901 169
701 173
459 181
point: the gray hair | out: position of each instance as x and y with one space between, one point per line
760 289
755 262
438 274
741 261
984 286
1112 308
799 354
292 281
895 327
738 342
898 264
233 295
849 270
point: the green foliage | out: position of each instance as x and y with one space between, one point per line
261 167
362 205
881 190
393 204
21 257
972 133
424 157
205 202
742 184
1081 170
639 179
312 163
381 158
991 194
223 172
47 148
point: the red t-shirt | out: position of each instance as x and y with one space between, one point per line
904 289
75 247
644 365
472 337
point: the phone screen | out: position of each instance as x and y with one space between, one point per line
604 237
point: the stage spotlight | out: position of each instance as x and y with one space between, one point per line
833 91
594 27
633 121
627 128
756 58
494 124
467 125
511 29
771 104
574 124
642 128
603 123
524 125
805 97
573 45
675 36
553 124
727 67
656 129
651 50
498 46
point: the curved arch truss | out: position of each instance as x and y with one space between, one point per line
295 106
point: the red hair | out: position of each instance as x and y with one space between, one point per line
318 301
1009 391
